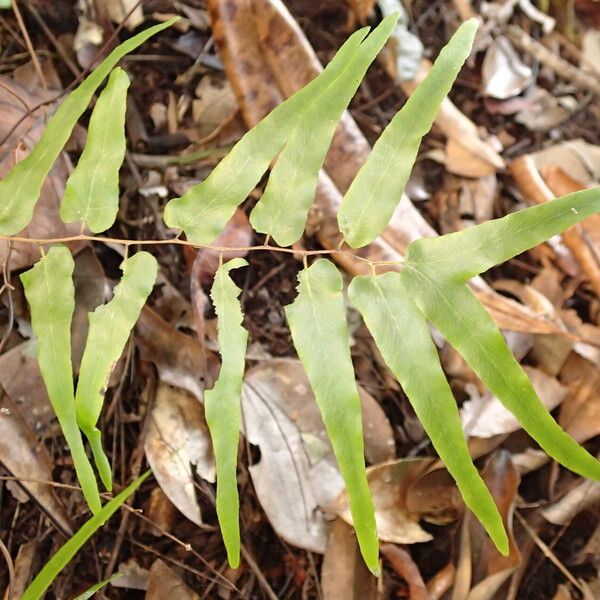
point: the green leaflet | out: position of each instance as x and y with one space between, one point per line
462 255
402 335
222 404
96 588
283 209
205 209
375 192
51 296
20 189
317 321
110 326
64 555
92 191
463 320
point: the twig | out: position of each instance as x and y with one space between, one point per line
559 65
548 553
34 58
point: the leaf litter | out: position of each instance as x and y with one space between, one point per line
539 117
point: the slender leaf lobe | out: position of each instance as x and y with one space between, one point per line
222 404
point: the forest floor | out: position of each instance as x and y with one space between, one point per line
523 126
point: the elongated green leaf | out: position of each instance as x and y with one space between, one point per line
64 555
467 253
465 323
92 191
110 326
205 209
320 334
20 189
51 296
222 404
283 209
375 192
96 588
402 335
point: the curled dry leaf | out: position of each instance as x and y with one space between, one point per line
402 562
389 484
504 73
297 475
178 438
582 496
344 575
165 584
485 416
27 459
119 9
15 101
180 361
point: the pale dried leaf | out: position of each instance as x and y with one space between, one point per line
504 73
485 416
178 438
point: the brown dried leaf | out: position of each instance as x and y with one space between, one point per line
180 361
27 459
165 584
344 575
178 438
402 562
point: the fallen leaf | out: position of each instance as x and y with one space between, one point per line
461 160
485 416
214 105
402 562
24 568
486 569
344 575
165 584
178 438
297 476
503 72
562 511
133 576
389 484
119 9
545 111
27 459
180 361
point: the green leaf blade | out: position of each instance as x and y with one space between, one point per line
63 556
51 296
283 209
465 323
468 253
320 334
222 404
110 326
375 192
20 189
402 335
92 190
203 211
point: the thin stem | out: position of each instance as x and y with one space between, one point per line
179 242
